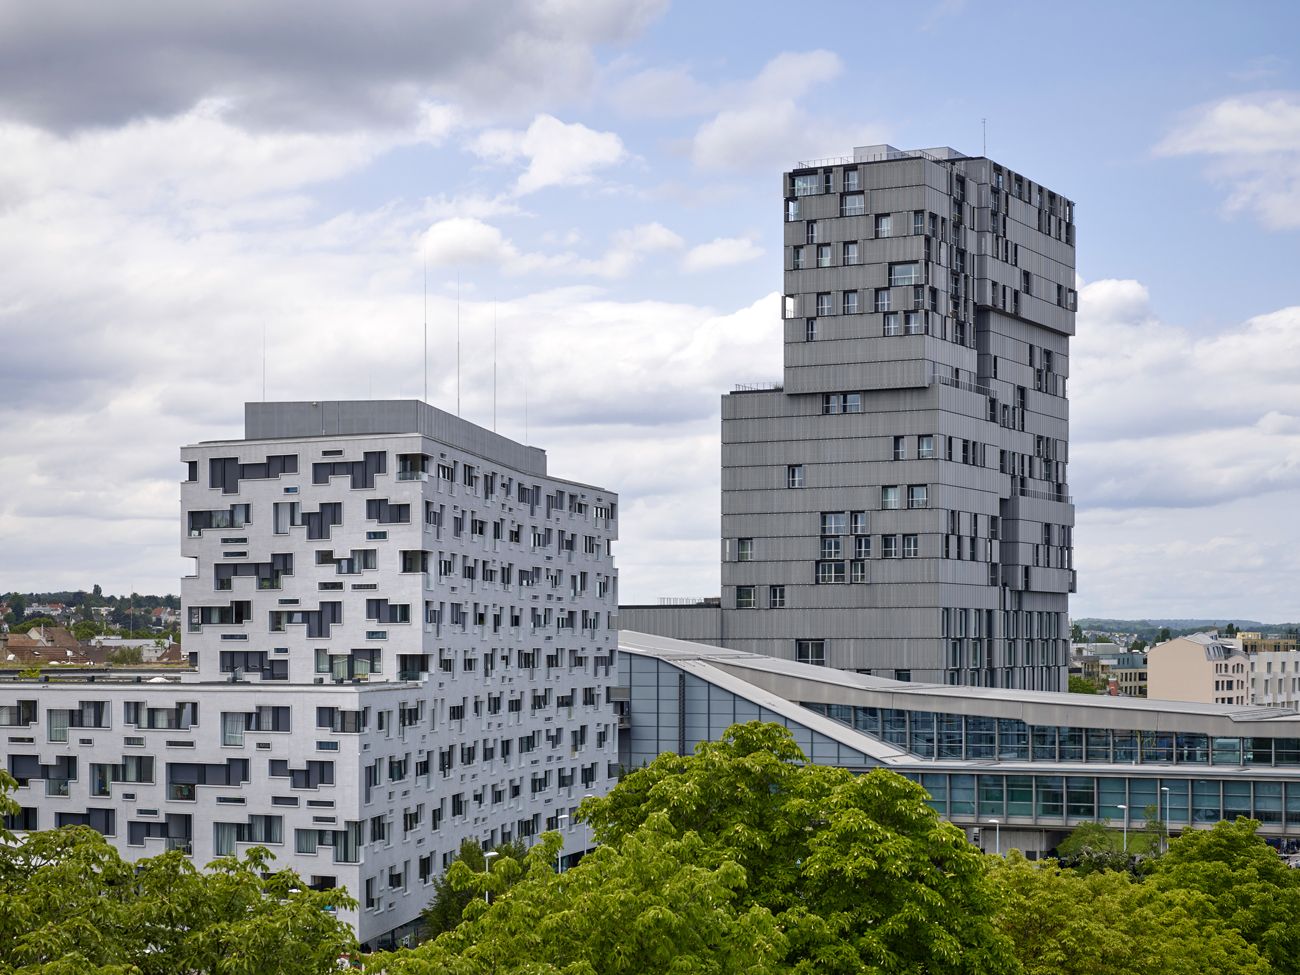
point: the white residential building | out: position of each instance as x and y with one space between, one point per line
401 628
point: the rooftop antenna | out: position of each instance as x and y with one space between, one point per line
263 362
984 124
426 323
458 342
494 364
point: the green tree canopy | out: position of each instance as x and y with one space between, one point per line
1081 685
447 908
740 858
69 905
1106 923
1246 883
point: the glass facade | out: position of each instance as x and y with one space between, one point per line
1071 799
938 735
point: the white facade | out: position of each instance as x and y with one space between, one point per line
401 642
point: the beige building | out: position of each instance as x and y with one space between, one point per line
1201 668
1275 679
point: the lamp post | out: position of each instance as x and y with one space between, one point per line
1124 809
559 857
997 837
586 826
487 869
1164 795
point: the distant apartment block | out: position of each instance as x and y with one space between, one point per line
401 625
899 504
1250 669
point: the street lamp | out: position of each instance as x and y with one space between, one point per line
1165 796
487 869
586 827
559 857
997 837
1123 808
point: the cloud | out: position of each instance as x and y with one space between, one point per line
306 65
468 241
1253 144
721 252
662 93
558 153
764 125
1166 418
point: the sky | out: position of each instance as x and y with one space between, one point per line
594 188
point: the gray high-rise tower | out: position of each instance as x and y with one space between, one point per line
899 505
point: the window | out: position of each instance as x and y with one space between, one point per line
810 232
882 299
832 403
824 306
830 573
744 550
917 495
911 547
853 205
904 274
796 258
807 184
862 546
794 476
810 652
858 522
849 305
852 402
858 570
745 597
851 180
900 448
833 522
893 324
914 322
889 546
850 252
832 547
882 225
823 255
810 330
925 447
918 222
889 496
776 597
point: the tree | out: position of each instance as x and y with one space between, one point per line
1081 685
447 908
1093 846
743 857
1105 923
17 607
70 904
1245 882
1137 646
1076 633
1163 636
126 656
1230 629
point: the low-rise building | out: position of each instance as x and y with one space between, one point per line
1199 667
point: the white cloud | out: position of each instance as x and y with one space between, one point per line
721 252
1185 455
765 126
1253 143
468 241
558 153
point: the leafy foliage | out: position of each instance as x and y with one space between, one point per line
447 908
1081 685
69 904
1107 923
740 858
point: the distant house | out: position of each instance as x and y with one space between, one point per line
150 650
52 645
